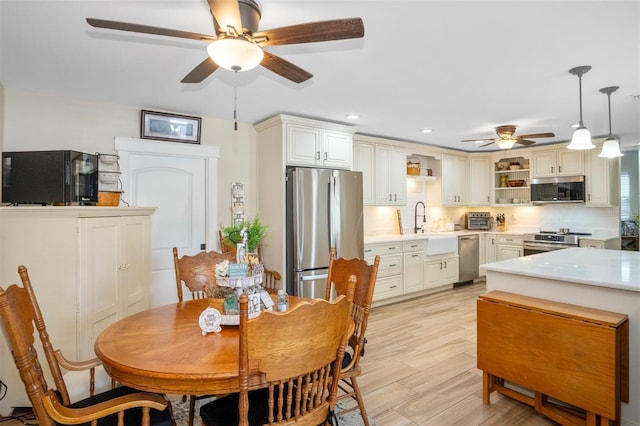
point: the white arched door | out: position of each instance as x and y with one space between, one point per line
180 181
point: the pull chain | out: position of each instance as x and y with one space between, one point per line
235 98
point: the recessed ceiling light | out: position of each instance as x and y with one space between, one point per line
479 141
352 116
426 131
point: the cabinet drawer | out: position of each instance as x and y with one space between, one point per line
371 250
387 287
389 265
509 239
411 246
592 244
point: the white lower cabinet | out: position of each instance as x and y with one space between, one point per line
509 247
413 258
89 267
389 280
440 270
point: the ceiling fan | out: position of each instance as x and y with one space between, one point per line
506 138
237 43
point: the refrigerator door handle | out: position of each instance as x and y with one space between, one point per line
332 212
314 277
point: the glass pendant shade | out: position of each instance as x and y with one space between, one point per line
505 143
235 54
611 148
581 139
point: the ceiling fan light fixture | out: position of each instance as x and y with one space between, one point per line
581 138
235 53
506 143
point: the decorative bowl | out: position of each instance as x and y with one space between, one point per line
515 183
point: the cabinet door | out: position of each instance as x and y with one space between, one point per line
135 263
450 270
383 184
481 182
432 273
398 177
544 163
449 181
337 149
597 180
100 291
462 174
508 252
412 272
570 162
490 250
303 145
364 161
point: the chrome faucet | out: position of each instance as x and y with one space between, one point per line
415 217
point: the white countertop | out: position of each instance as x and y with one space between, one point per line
372 239
619 269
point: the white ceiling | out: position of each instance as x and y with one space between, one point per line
458 67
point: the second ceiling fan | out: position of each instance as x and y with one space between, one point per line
506 138
237 43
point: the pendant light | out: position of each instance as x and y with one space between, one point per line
611 147
581 137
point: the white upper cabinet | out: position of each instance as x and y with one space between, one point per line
455 180
481 181
390 176
557 162
602 180
309 145
364 156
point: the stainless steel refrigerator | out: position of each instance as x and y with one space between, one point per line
324 210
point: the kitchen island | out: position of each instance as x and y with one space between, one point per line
601 279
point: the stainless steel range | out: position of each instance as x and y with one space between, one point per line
544 241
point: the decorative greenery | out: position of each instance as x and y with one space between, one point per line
256 231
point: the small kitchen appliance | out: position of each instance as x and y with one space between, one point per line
478 221
544 241
560 189
49 177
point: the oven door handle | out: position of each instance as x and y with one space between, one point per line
542 246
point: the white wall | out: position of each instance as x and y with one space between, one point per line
36 121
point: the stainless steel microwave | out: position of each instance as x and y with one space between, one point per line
559 189
49 177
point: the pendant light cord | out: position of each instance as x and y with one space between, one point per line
235 101
580 92
609 102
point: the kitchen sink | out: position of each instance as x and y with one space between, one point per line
441 244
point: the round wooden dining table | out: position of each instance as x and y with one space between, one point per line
163 350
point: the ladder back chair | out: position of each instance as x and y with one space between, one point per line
299 353
271 281
337 278
198 271
20 312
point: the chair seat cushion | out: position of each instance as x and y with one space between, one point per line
224 411
131 417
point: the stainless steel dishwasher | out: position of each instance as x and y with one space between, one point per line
468 258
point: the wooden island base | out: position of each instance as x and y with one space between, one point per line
575 360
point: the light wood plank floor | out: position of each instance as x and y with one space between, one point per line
419 366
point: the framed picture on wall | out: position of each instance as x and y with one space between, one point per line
169 127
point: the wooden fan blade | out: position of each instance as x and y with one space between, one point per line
479 139
203 70
337 29
146 29
226 12
538 135
486 144
525 142
284 68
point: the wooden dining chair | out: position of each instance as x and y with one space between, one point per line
298 352
21 316
198 271
271 281
340 270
